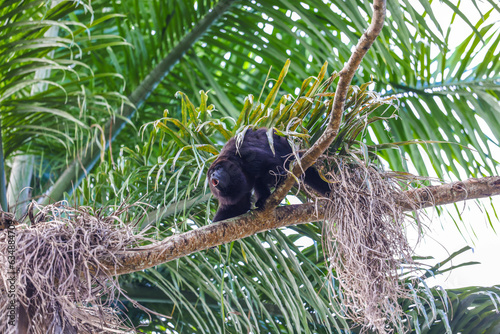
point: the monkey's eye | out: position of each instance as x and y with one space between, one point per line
215 182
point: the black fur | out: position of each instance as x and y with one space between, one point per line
253 165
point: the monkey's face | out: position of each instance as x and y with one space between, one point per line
226 179
220 178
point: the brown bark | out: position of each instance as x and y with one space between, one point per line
254 222
452 192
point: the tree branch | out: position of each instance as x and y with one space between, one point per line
254 222
346 75
451 192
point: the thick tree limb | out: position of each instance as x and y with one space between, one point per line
254 222
452 192
346 75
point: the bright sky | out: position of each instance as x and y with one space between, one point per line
444 237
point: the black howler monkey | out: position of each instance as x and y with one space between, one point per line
252 165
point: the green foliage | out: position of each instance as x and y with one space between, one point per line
262 283
452 91
445 95
170 165
411 58
464 310
268 284
254 287
52 101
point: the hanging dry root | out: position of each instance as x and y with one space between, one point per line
59 285
365 246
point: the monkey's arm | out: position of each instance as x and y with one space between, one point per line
226 211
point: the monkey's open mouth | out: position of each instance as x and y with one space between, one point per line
215 182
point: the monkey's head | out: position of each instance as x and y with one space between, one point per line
227 180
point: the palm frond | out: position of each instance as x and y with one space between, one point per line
52 112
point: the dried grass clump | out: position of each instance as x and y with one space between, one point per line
365 245
61 285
